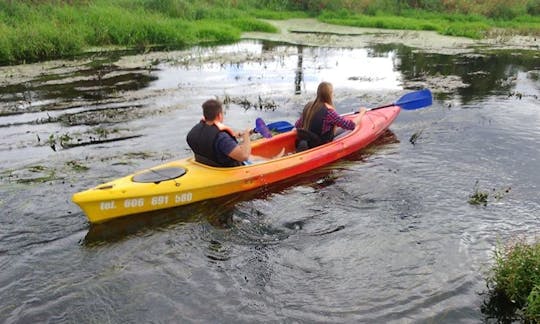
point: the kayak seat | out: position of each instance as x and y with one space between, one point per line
306 139
159 175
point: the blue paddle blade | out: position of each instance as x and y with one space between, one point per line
415 100
261 128
280 126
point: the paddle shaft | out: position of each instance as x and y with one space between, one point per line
375 108
410 101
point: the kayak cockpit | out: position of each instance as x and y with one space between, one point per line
159 175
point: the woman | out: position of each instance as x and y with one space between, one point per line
319 120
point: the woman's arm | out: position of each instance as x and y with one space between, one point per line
358 119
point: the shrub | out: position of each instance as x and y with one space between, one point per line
516 277
533 305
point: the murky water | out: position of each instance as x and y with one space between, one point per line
387 235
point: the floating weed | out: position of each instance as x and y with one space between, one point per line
64 140
499 194
481 197
33 174
139 155
77 166
478 197
101 132
36 168
52 142
94 136
260 103
414 137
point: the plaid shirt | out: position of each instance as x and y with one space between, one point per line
332 119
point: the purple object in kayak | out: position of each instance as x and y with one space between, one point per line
261 128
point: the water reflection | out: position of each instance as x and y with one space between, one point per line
276 68
121 228
299 76
478 75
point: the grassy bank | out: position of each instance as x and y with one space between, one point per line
471 26
515 283
32 30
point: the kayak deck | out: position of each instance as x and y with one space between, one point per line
186 181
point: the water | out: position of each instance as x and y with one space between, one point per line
386 235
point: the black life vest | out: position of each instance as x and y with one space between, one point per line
312 137
201 139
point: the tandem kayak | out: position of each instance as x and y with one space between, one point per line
186 181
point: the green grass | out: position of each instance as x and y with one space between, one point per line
32 30
277 15
453 25
41 32
516 277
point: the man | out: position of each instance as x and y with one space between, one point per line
215 144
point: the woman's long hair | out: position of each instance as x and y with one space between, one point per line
324 96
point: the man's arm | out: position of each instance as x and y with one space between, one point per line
242 151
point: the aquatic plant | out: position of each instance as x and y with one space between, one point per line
77 166
415 136
514 283
63 141
260 103
478 197
33 174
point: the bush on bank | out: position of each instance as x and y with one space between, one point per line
33 30
515 280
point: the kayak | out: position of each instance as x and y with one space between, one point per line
187 181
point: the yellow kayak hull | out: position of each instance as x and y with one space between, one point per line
198 182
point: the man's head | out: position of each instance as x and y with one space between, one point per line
212 109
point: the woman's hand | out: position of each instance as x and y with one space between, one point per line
361 114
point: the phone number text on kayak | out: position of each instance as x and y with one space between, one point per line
154 201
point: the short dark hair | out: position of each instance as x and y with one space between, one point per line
211 109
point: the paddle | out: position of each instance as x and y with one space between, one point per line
410 101
262 128
280 126
266 130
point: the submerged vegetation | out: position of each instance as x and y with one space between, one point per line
33 30
514 284
481 197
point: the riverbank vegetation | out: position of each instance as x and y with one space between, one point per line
33 30
515 284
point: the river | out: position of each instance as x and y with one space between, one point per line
388 235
